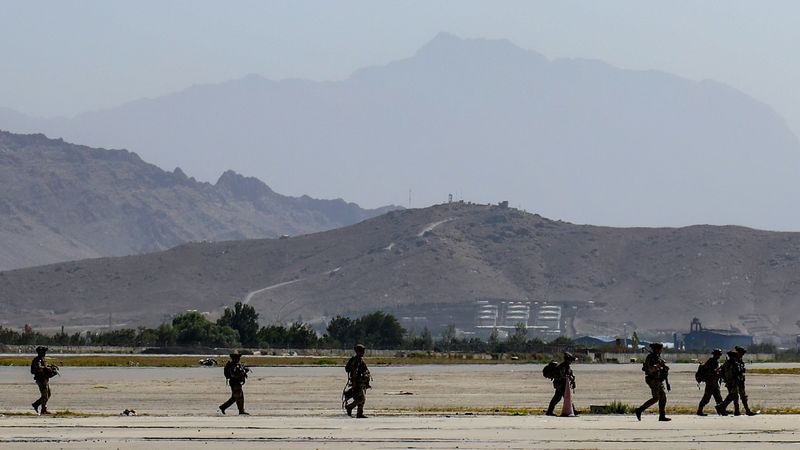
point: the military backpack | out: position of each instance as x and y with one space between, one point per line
550 370
702 375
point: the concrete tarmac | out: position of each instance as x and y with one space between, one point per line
409 407
396 432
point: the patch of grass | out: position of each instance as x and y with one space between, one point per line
615 407
775 371
18 414
329 362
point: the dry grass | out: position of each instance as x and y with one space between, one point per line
775 371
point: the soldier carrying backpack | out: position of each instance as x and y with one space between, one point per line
42 372
560 374
236 375
709 373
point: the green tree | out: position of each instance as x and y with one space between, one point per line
166 335
562 341
273 336
427 339
379 330
341 332
518 340
635 341
448 335
301 335
192 328
244 319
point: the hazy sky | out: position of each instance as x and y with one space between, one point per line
62 58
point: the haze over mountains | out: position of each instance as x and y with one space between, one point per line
433 264
573 139
60 201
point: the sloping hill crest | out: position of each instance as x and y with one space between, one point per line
434 263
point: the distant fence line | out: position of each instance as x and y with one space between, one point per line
555 351
639 357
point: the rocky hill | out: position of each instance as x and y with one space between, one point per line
434 264
576 139
60 201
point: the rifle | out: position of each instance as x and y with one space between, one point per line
663 375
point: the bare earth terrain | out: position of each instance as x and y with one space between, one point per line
409 407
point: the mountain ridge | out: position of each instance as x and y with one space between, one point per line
430 266
63 201
571 138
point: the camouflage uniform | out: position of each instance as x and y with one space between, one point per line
236 374
563 374
654 369
359 377
41 374
711 369
734 375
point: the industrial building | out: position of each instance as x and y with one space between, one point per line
699 338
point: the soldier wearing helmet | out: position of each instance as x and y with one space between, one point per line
655 375
358 381
709 374
563 374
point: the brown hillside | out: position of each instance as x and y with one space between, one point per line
61 202
652 279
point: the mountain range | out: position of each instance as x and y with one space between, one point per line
575 139
430 266
60 202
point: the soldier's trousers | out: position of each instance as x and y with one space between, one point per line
734 393
359 398
711 390
44 394
237 396
557 396
659 396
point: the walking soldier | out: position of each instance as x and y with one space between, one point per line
656 374
708 373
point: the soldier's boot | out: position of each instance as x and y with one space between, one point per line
222 409
35 407
360 413
44 411
244 413
638 413
349 409
747 408
551 407
721 409
736 407
575 410
662 412
700 408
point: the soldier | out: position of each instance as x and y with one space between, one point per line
655 375
358 378
42 372
563 373
711 377
730 371
740 351
236 375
